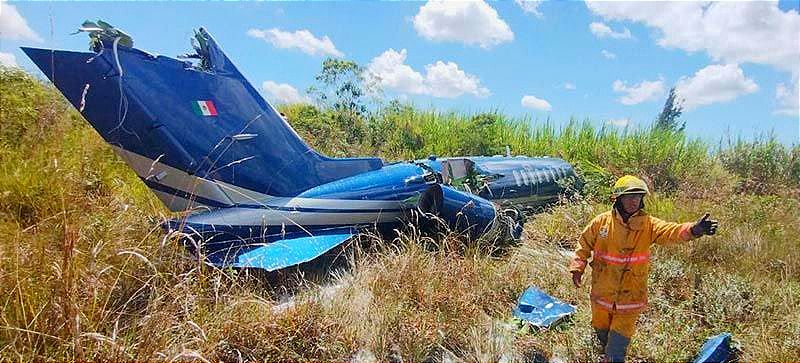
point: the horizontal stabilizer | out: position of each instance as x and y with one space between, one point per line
289 252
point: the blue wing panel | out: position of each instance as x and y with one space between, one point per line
289 252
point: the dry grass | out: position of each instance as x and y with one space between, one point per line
86 275
77 290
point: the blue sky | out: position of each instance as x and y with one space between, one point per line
736 64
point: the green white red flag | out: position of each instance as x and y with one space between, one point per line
204 108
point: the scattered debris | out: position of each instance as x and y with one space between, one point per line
100 32
364 356
715 349
538 309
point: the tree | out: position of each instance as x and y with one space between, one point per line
668 118
341 90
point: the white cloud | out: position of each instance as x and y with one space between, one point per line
620 122
535 103
713 84
303 40
530 7
441 79
642 92
608 54
447 80
282 93
788 97
569 86
13 26
390 67
602 30
469 22
8 59
730 32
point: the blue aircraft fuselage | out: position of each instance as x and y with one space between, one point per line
206 142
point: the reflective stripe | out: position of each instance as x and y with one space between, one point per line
604 304
615 306
622 260
631 306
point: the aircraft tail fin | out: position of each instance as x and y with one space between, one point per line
197 134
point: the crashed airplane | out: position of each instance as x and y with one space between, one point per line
256 195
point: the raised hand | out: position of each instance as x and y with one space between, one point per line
705 226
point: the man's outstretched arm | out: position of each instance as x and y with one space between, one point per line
669 232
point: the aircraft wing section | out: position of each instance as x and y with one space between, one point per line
289 252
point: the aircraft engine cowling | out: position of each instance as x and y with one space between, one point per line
462 212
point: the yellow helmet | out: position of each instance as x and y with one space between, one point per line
629 184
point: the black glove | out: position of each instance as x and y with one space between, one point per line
705 226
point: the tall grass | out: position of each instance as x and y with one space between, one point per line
85 273
764 165
664 158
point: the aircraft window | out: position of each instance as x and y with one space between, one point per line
466 174
517 177
460 168
541 176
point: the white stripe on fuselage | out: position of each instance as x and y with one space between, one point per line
173 202
244 196
228 194
270 217
161 173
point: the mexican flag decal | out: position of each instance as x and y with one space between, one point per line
204 108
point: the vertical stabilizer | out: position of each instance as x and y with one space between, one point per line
193 133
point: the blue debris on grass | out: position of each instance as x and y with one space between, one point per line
715 349
541 310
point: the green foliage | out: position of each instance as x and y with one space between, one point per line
393 131
319 128
668 118
342 89
28 109
764 165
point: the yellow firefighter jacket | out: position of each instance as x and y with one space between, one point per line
621 256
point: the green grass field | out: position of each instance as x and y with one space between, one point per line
85 272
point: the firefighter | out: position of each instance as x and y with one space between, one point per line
619 243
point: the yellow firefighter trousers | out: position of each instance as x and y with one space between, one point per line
614 330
